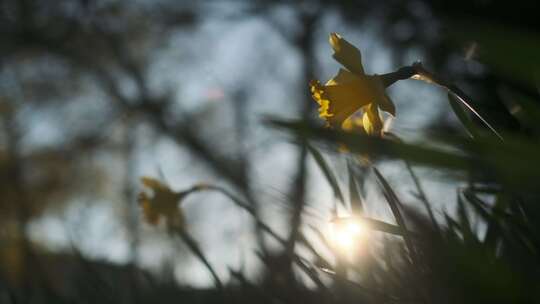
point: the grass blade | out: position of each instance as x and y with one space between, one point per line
466 122
330 177
395 204
354 195
458 94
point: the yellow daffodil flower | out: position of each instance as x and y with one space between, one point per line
162 204
351 90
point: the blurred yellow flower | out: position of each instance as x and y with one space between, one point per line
351 90
162 204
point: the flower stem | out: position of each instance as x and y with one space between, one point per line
401 74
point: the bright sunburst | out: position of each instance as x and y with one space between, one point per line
346 233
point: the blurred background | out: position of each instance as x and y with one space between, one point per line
95 95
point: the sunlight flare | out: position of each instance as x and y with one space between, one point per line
346 233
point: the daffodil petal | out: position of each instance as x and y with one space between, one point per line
162 204
353 123
372 120
344 100
343 76
346 54
343 95
152 183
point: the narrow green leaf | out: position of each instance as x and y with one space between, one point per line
322 238
385 227
196 250
379 147
464 222
330 177
510 161
466 122
453 227
459 96
421 196
321 261
493 229
395 204
354 195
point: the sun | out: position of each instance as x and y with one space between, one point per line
346 233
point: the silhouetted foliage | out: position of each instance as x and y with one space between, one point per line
93 68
